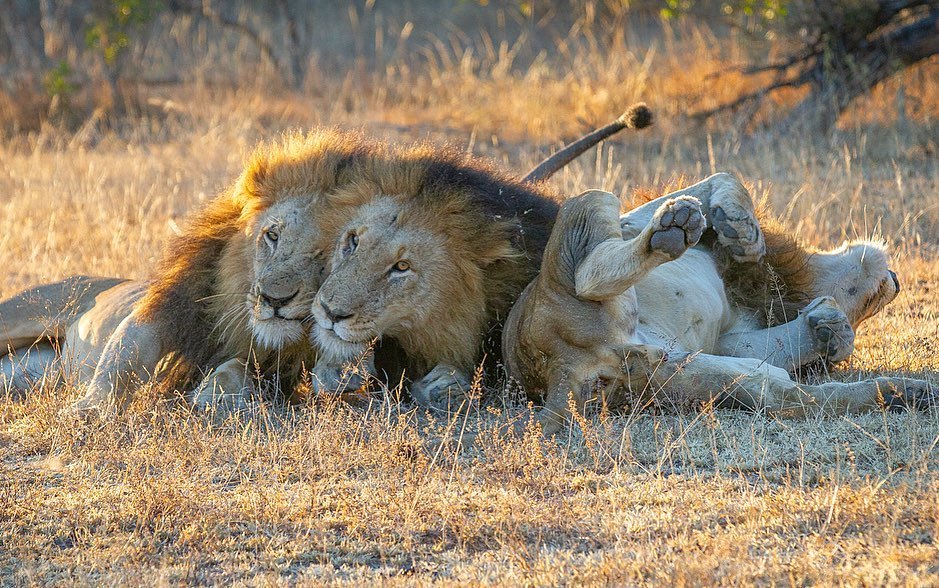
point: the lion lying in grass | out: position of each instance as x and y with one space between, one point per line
233 294
628 308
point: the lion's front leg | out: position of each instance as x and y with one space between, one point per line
821 331
129 359
728 208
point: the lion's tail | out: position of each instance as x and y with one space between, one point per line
638 116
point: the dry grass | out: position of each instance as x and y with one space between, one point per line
315 494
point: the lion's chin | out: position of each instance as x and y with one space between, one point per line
277 333
330 343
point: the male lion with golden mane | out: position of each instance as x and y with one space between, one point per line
233 293
625 308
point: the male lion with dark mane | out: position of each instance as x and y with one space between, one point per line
231 294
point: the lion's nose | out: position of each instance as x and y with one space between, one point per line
896 282
278 303
332 315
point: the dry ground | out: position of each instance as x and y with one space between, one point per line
312 494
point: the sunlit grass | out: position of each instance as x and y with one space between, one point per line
328 492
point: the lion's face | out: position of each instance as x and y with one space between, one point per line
858 276
288 269
387 275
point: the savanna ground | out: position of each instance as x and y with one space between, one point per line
323 492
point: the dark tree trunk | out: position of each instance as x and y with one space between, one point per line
862 69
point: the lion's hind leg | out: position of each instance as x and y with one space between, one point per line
130 358
755 385
728 209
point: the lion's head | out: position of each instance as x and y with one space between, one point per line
441 247
396 273
287 269
858 276
244 272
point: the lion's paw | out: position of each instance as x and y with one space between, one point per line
445 387
906 393
737 230
225 390
832 334
676 226
330 379
95 403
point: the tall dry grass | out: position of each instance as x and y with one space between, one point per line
327 493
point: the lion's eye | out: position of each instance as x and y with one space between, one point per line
352 241
272 234
402 266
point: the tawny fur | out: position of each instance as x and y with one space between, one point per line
779 286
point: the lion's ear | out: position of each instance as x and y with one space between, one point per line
583 222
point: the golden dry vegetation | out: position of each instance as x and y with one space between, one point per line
325 492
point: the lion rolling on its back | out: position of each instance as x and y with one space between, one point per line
603 318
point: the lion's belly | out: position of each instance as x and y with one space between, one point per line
682 304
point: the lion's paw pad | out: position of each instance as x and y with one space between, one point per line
832 334
738 231
678 225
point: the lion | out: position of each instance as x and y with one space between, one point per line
613 315
232 293
391 278
234 290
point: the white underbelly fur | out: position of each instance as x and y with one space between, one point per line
682 304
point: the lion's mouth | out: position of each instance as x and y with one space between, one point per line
337 342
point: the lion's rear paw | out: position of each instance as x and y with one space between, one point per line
902 393
737 230
92 404
677 225
832 334
444 388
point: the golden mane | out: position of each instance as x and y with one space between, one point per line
207 269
